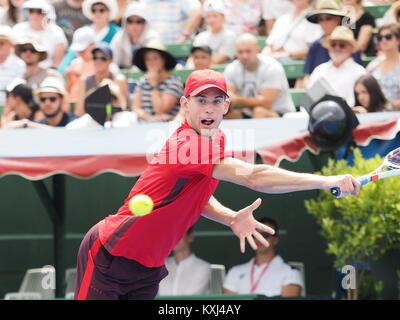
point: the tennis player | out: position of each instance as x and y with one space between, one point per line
122 256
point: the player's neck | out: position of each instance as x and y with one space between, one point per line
181 255
264 257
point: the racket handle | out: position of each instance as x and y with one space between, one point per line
336 191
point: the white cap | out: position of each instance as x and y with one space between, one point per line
82 38
214 5
44 5
16 82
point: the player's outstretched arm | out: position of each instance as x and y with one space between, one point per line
241 222
269 179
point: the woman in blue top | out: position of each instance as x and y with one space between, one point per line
101 13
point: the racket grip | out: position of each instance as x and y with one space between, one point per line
336 191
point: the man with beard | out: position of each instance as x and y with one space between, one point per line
341 71
50 96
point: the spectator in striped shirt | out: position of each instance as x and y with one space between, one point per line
157 93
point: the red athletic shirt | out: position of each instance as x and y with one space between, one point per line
179 180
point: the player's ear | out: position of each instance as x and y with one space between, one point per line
226 105
184 103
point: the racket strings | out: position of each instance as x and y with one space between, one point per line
393 159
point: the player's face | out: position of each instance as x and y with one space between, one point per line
205 111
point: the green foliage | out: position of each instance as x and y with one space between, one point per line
370 288
363 228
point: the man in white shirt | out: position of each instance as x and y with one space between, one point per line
187 274
11 66
266 273
341 71
256 83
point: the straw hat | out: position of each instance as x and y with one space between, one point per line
138 60
51 84
331 7
343 34
36 44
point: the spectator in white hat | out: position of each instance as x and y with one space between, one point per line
220 38
41 25
136 32
11 66
82 44
32 52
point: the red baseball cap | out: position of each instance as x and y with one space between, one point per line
200 80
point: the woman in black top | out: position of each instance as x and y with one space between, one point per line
362 24
20 104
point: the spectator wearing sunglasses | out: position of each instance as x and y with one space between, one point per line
102 56
341 72
136 32
386 68
266 273
328 14
32 52
40 25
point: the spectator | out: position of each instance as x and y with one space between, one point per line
11 66
12 14
83 64
328 14
272 10
341 72
19 105
157 94
51 95
201 57
256 83
266 273
369 96
292 34
32 52
187 274
217 36
136 32
386 68
364 24
243 16
40 25
102 56
101 13
175 20
70 16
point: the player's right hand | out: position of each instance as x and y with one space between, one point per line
347 184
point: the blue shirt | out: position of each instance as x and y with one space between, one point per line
67 118
319 54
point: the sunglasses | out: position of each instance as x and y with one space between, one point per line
26 49
388 37
38 11
101 58
322 19
52 99
140 21
341 45
101 10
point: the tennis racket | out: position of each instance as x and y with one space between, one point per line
391 162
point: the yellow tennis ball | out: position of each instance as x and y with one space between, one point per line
141 204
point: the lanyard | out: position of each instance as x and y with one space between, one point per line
254 285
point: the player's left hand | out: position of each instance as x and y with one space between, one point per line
347 184
245 226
